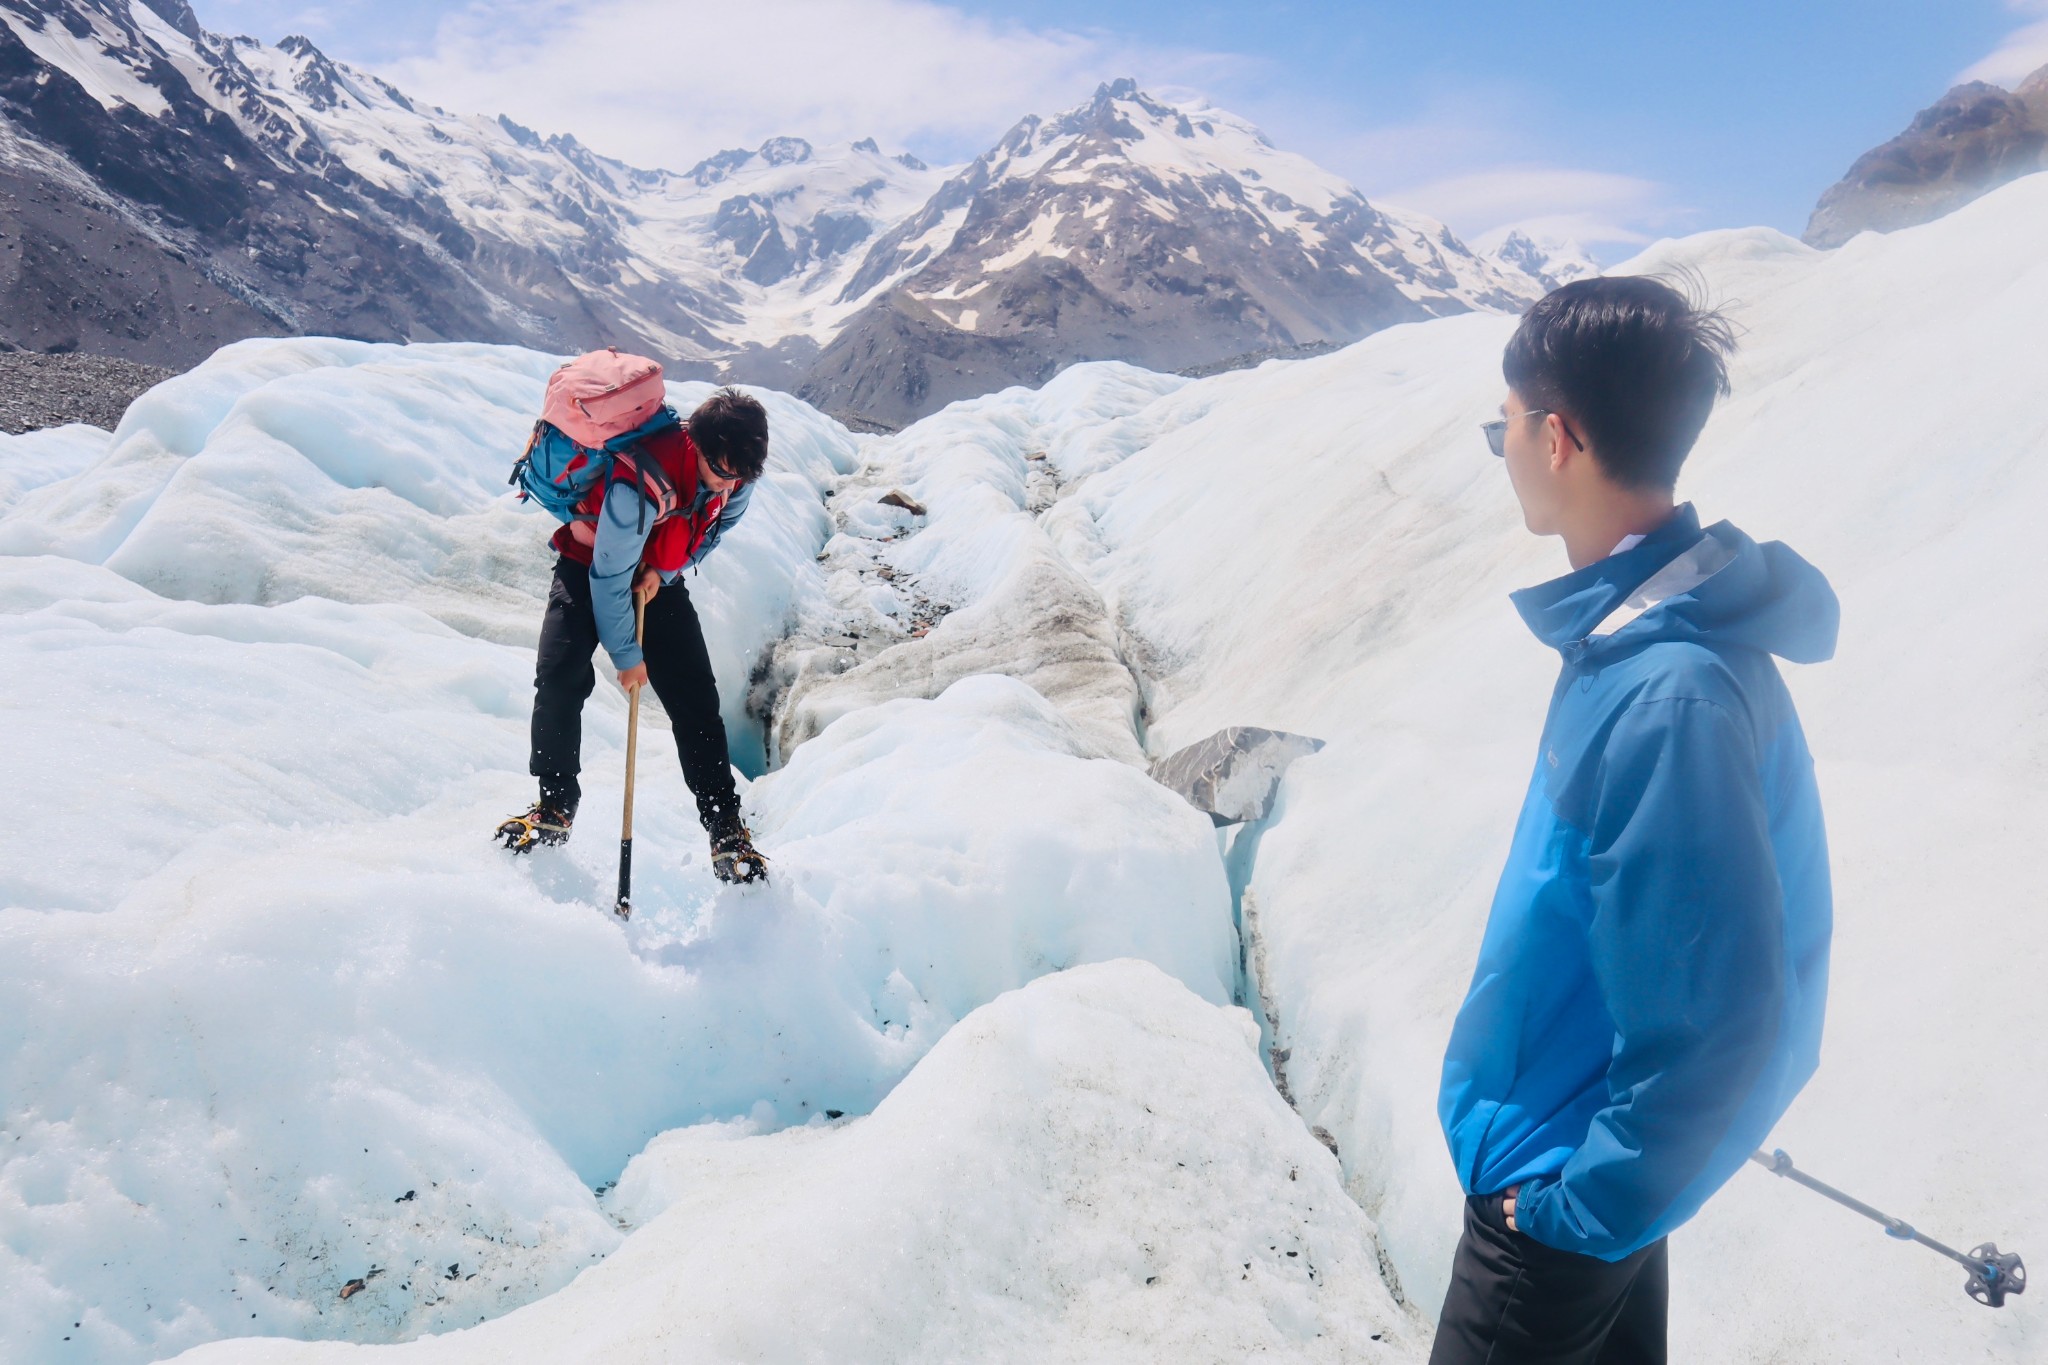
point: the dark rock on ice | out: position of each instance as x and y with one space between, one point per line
1235 773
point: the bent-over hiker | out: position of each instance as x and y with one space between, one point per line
664 492
1649 991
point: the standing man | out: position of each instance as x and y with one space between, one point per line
663 506
1649 992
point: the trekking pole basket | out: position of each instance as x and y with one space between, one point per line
1993 1274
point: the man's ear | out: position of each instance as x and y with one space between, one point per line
1561 448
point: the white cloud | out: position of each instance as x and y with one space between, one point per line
1593 208
1457 126
2023 52
660 83
1471 157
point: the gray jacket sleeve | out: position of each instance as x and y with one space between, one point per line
735 508
622 529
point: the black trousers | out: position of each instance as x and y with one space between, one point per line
678 668
1515 1301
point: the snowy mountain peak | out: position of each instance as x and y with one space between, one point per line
318 79
1131 228
719 165
904 159
776 151
521 134
1552 260
784 151
178 15
1118 116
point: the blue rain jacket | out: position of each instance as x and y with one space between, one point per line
1650 988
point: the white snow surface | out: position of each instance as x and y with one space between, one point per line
1092 1168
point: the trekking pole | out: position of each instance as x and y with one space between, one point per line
624 909
1992 1275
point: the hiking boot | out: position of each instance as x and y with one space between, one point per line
543 824
735 859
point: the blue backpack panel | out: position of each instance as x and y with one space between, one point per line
557 473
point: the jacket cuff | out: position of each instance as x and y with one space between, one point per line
1529 1201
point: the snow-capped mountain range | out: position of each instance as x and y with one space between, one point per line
165 189
399 219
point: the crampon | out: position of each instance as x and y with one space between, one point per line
541 825
735 859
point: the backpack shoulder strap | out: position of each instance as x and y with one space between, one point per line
635 464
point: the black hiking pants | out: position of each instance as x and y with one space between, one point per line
679 670
1515 1301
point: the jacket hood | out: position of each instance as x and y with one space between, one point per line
1715 587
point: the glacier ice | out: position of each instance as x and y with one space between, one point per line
376 473
989 473
1093 1167
275 977
280 1015
276 929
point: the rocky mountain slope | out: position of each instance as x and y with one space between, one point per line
164 190
1970 141
150 219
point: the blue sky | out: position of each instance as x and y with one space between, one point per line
1613 120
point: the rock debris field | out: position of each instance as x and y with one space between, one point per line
38 390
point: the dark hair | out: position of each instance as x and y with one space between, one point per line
732 429
1631 361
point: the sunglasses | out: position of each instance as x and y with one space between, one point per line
1497 431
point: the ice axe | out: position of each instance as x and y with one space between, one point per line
624 908
1993 1274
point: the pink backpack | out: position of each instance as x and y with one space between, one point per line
603 394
